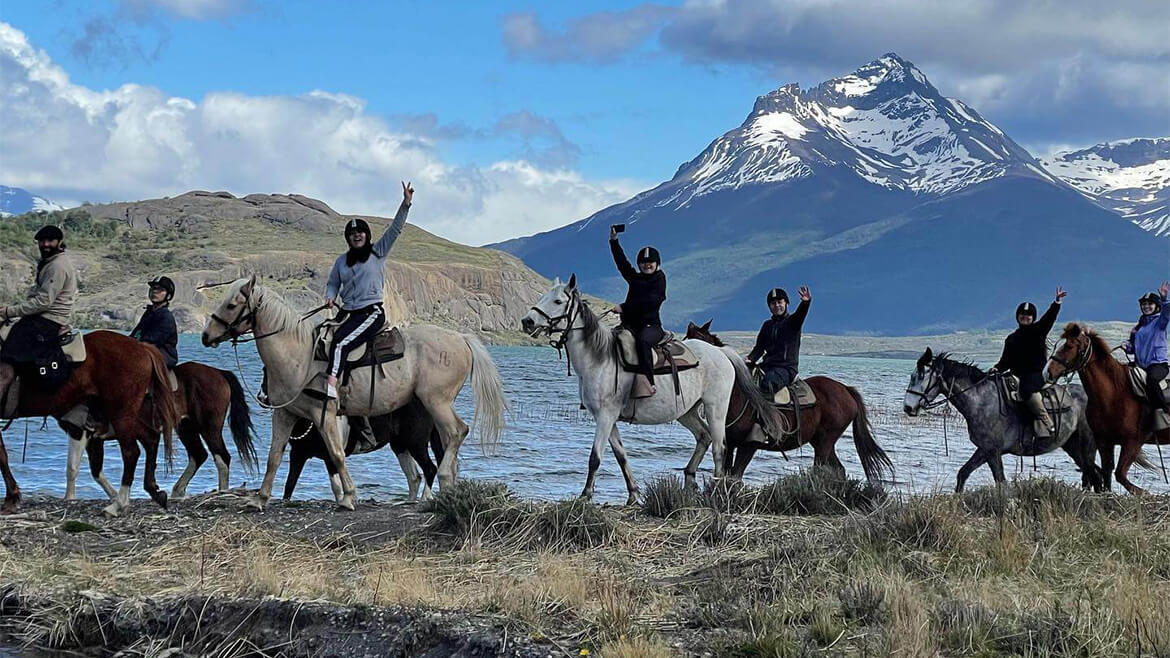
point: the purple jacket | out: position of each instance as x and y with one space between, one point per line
1147 340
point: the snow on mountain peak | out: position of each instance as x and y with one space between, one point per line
17 201
885 122
1130 177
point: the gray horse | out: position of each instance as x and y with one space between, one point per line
993 423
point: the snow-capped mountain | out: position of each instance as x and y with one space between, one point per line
884 122
1130 177
904 210
17 201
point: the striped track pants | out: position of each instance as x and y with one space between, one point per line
358 326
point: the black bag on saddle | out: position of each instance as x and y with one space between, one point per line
33 347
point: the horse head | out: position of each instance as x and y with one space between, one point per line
1072 354
703 333
554 308
235 315
924 385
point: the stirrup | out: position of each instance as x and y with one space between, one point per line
331 391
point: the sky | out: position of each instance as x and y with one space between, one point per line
512 117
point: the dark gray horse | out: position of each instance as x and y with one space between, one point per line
994 424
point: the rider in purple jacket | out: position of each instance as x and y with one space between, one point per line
1147 342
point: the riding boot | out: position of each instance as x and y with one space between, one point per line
642 387
1043 423
1160 420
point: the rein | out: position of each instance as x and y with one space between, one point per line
552 327
1079 363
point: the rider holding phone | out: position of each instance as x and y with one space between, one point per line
639 312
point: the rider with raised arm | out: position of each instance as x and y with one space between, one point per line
639 312
1025 352
46 312
1147 343
779 341
157 324
357 277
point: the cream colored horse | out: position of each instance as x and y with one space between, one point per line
436 364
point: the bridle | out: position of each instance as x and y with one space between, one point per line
1079 363
246 315
944 386
552 323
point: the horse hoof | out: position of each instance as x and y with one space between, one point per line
255 503
160 498
112 510
346 503
9 507
632 501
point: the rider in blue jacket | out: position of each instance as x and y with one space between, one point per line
1147 342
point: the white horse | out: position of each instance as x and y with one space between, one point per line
605 385
435 366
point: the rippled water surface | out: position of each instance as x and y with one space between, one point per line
545 449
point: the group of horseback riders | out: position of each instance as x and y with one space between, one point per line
357 279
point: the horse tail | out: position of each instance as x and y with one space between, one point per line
1141 460
762 408
490 402
166 408
874 460
240 421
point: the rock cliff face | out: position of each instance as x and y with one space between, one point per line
289 241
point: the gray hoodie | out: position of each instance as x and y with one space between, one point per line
361 285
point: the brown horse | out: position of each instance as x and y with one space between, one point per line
114 380
837 407
207 397
1115 415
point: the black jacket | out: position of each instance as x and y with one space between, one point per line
646 293
157 327
1025 351
779 340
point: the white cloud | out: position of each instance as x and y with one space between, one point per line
70 142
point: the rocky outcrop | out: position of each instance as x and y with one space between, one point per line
289 241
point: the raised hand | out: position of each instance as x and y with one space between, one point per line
1164 289
407 193
613 233
1061 293
805 294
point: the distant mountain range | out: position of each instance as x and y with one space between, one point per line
907 212
17 201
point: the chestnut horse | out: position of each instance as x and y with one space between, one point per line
1115 415
207 398
837 407
116 377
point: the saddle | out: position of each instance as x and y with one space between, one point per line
805 398
46 372
385 346
1137 381
670 354
1056 398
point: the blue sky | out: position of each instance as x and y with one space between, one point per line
518 116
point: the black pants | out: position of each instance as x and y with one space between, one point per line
645 338
1154 375
33 339
357 327
775 379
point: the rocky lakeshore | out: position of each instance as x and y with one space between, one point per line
806 565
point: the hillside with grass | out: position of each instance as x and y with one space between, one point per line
289 241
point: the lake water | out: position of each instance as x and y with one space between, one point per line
545 450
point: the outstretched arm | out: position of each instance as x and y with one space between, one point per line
1164 317
382 246
1049 317
802 309
619 258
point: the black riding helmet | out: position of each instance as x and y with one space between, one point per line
1151 298
357 225
777 293
49 232
166 284
649 255
1026 308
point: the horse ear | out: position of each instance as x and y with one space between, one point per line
925 359
707 325
247 288
572 281
556 281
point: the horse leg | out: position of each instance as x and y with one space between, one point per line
130 453
196 455
1129 452
454 431
743 457
995 462
96 451
73 463
692 422
619 453
410 471
605 426
716 414
297 456
335 444
282 424
11 489
978 459
213 434
149 483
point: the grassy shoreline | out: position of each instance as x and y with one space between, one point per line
806 565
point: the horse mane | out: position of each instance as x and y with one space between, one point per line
955 367
597 337
272 302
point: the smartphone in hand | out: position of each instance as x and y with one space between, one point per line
618 228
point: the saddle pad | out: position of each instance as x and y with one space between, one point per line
389 344
804 395
677 350
1057 399
1137 381
73 344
